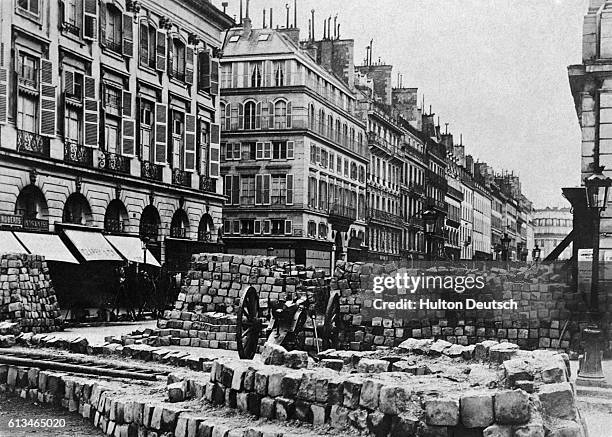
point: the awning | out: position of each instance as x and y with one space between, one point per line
131 249
48 245
92 246
10 244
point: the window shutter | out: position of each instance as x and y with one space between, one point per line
289 187
128 36
271 115
3 95
170 56
227 191
91 112
190 142
288 227
68 83
259 151
213 156
240 116
258 116
266 189
161 133
236 190
203 70
128 131
258 189
189 65
161 51
289 117
90 18
290 149
47 99
214 77
257 227
102 23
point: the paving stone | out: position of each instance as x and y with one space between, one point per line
338 417
267 407
558 400
352 392
177 392
379 424
477 410
442 411
511 407
285 409
273 354
370 392
320 414
497 431
358 419
367 365
296 359
290 385
404 424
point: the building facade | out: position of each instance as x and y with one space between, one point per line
294 155
109 120
551 226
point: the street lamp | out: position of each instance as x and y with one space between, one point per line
430 219
535 253
590 371
505 242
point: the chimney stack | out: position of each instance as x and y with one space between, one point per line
312 35
336 27
247 9
295 13
271 26
240 11
325 29
264 18
338 30
287 8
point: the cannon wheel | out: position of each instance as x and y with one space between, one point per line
331 323
248 325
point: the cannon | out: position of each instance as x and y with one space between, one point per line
285 323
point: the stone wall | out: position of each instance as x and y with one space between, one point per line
549 314
26 294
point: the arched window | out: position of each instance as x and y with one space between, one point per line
330 126
338 132
149 223
362 173
323 231
116 217
250 115
32 206
227 115
206 229
179 224
280 115
344 134
255 76
353 171
321 121
77 210
312 229
178 59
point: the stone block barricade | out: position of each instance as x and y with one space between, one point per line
27 296
204 312
550 313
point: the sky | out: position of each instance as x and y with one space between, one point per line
495 70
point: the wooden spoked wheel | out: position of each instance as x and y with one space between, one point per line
331 323
248 324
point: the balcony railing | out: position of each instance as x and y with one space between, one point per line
375 139
296 121
114 162
177 232
343 211
149 230
204 236
152 172
208 185
416 188
178 74
113 45
437 204
181 178
384 216
71 28
76 154
32 144
114 226
19 221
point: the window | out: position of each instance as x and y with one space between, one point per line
232 189
250 115
234 38
278 227
148 45
226 75
32 6
227 227
346 168
279 190
263 151
256 75
323 195
339 165
312 192
178 127
247 227
279 150
178 59
112 101
353 171
331 161
112 38
27 113
249 151
74 123
313 153
280 115
279 73
111 129
262 189
247 190
146 130
323 232
312 229
71 17
324 158
232 151
27 70
264 37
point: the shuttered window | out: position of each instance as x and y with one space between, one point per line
161 133
215 141
47 99
91 112
190 143
128 128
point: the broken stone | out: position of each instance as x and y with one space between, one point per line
477 410
512 407
442 411
558 400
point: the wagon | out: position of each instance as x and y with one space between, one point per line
285 323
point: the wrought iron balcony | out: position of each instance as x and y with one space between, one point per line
114 162
32 144
177 232
113 45
71 28
149 230
343 211
208 185
178 74
181 178
150 171
76 154
384 216
114 226
204 236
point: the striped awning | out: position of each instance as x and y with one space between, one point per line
48 245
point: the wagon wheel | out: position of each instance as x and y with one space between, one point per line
331 323
248 324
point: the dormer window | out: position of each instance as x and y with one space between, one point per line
264 37
234 38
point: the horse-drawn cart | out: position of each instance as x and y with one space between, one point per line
285 323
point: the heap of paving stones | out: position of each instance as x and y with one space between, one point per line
545 305
26 294
204 312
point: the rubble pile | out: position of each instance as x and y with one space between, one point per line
545 303
26 294
204 313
